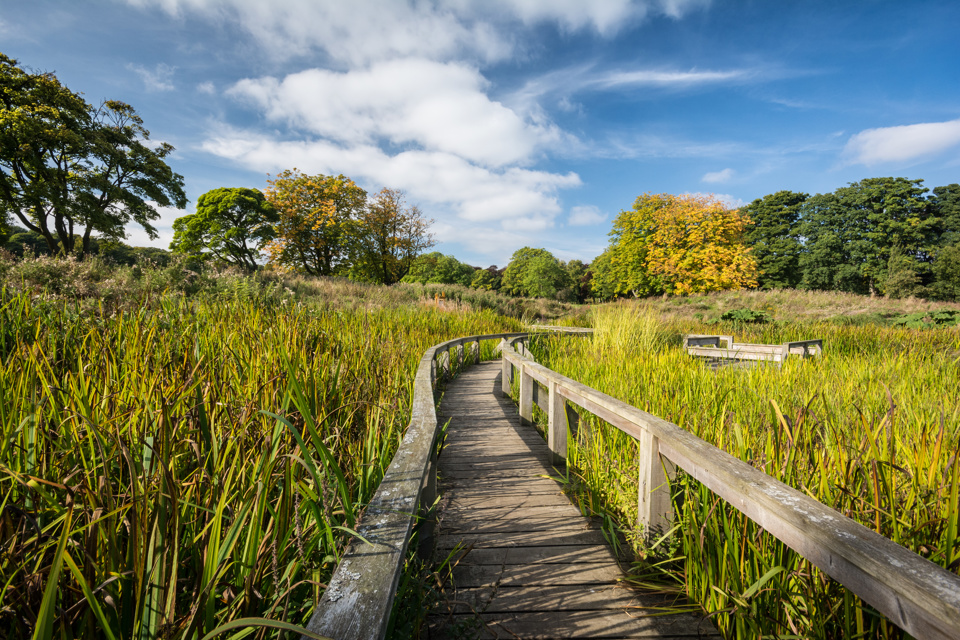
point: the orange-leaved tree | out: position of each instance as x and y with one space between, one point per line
680 244
316 216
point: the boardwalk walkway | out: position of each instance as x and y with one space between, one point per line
534 567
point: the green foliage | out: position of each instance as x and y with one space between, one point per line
945 202
743 316
869 429
774 238
173 464
534 273
928 319
436 268
946 269
68 169
230 225
486 279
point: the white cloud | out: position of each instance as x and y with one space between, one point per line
902 144
433 105
718 176
382 29
207 88
474 193
584 216
137 237
159 79
659 78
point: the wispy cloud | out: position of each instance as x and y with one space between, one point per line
719 176
904 143
661 78
160 78
585 216
379 30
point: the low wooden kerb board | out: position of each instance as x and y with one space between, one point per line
532 566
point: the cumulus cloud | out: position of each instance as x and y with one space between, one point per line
137 237
718 176
513 195
584 216
382 29
207 88
160 78
903 143
436 106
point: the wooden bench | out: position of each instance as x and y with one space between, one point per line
705 346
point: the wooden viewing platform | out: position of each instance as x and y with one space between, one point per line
532 566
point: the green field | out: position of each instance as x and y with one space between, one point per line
171 463
870 428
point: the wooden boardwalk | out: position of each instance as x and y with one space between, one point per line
533 566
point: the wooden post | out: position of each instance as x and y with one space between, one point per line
556 425
476 352
526 396
653 501
460 357
506 375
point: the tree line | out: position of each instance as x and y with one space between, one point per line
74 175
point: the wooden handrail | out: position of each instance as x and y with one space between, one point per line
359 597
915 594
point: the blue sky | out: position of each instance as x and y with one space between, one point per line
520 122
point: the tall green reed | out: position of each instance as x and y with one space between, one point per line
871 428
168 468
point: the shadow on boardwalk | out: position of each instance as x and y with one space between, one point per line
532 567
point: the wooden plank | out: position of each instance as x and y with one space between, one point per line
551 537
499 598
533 575
550 625
562 554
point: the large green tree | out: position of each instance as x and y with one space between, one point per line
851 235
534 273
231 225
946 206
68 170
436 268
774 237
387 238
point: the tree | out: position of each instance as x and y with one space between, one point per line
946 269
774 238
946 206
68 170
680 244
487 279
436 268
231 224
315 214
388 238
534 273
851 234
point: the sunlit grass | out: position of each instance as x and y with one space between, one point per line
870 428
168 468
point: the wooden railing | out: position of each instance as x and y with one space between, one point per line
359 597
915 594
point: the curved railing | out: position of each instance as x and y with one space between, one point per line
918 596
357 602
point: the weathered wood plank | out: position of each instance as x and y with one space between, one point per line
553 538
533 575
550 625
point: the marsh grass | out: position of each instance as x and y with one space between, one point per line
174 463
870 428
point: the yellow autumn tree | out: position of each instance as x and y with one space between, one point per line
678 244
316 216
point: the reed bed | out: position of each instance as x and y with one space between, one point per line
871 429
169 468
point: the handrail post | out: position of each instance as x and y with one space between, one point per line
475 348
506 372
459 356
655 509
526 396
556 424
